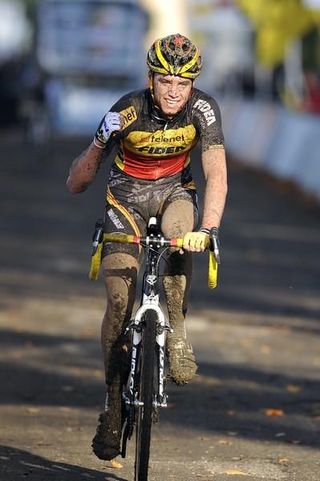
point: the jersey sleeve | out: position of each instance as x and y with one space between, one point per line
207 119
127 107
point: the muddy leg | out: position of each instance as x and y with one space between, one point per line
120 275
177 220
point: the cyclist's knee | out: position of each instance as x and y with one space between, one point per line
121 269
120 276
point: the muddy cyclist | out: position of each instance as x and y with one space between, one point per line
153 132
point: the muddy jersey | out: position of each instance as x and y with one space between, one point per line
150 146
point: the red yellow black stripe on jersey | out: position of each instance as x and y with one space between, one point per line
151 155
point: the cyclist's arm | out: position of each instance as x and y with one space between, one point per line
215 173
84 169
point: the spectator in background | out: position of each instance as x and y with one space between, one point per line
312 98
311 68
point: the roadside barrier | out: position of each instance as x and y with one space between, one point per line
269 137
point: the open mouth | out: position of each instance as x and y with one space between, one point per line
172 103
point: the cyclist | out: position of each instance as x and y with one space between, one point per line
153 131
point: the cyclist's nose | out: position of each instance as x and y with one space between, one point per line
173 91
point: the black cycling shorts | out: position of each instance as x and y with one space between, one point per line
130 202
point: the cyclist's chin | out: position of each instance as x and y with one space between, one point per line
171 109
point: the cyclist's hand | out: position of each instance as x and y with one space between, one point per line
110 123
196 241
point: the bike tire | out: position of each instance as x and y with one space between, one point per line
146 395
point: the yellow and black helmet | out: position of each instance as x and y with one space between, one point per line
175 55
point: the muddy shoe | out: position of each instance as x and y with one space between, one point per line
106 442
182 363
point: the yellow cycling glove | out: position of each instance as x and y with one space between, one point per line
196 241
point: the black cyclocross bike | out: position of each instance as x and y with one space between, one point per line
144 393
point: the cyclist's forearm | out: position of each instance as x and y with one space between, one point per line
215 171
84 169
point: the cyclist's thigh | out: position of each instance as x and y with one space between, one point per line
179 217
120 262
123 218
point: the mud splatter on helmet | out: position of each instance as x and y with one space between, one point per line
175 55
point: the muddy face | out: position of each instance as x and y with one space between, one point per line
171 93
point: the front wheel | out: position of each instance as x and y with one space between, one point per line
146 395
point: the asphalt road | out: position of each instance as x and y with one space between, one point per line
253 411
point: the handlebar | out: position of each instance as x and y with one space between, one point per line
144 241
161 241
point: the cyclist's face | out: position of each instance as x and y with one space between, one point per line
171 93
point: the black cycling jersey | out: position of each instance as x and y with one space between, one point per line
151 146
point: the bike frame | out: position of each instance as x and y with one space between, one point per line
149 301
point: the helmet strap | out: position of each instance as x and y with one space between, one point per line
150 77
191 91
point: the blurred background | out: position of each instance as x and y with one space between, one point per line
63 63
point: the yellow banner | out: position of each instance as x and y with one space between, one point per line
277 23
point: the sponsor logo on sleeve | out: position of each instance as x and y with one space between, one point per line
128 116
207 111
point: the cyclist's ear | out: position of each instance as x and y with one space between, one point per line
150 80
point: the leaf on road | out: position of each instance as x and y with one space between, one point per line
283 461
115 464
293 388
33 410
273 412
235 472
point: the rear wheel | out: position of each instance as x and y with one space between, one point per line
146 395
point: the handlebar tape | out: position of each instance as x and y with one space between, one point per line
212 271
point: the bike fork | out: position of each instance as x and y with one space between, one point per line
160 399
130 394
